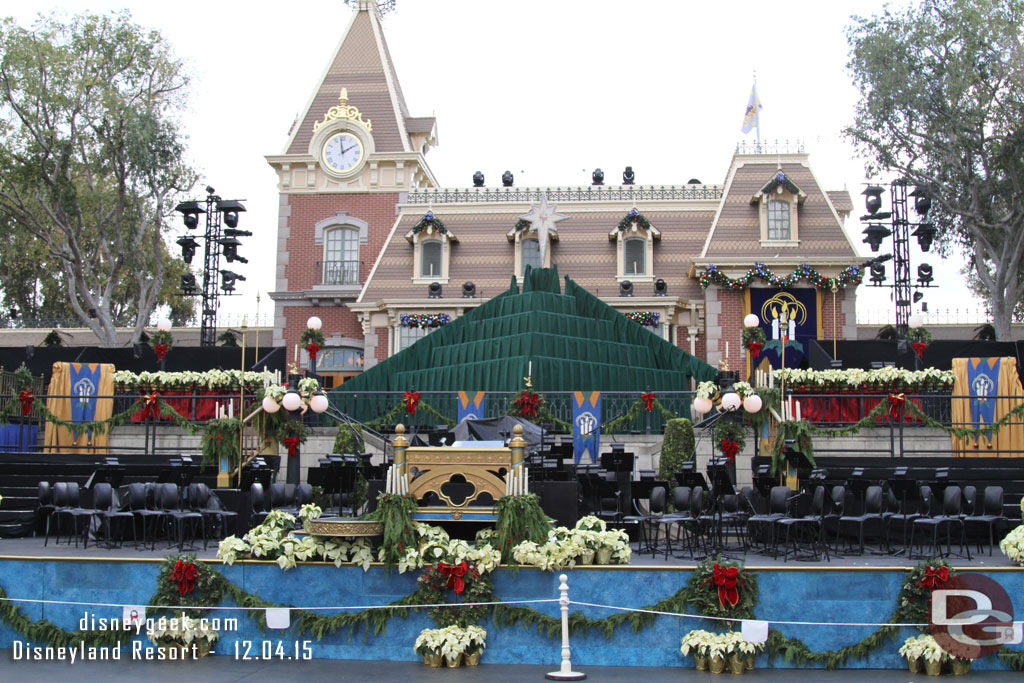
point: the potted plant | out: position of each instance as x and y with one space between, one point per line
456 642
477 642
960 666
697 641
428 645
191 637
912 649
739 651
716 653
933 655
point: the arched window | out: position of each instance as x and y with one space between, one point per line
341 257
778 220
531 254
430 259
634 258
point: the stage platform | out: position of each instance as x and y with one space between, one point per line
848 589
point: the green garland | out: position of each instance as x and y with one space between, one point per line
631 217
1013 658
98 426
520 518
919 334
753 334
43 631
396 512
221 440
611 426
391 416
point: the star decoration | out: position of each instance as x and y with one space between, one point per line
543 218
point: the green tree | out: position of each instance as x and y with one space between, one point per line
676 448
90 165
942 85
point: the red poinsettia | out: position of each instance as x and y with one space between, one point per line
648 398
412 399
184 574
527 403
727 579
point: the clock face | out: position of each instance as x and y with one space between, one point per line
342 152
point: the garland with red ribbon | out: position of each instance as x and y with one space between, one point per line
312 348
184 574
730 449
919 348
455 574
727 578
754 348
895 404
528 402
151 406
934 577
411 399
648 398
27 399
160 350
292 444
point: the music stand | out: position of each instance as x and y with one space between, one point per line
689 476
902 487
764 481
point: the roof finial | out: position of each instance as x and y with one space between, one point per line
343 97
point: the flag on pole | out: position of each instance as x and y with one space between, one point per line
751 118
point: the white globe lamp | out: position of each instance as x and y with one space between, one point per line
270 405
916 321
314 323
702 405
752 403
731 401
163 324
751 320
319 403
291 401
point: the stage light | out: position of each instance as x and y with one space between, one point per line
922 202
188 284
229 278
877 273
507 179
231 245
188 247
190 213
597 177
925 235
478 179
230 208
468 290
625 288
628 177
872 198
925 275
660 287
875 232
434 290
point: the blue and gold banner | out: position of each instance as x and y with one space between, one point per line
79 392
983 381
471 405
986 389
85 382
586 425
788 316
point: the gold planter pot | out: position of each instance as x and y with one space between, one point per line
587 557
471 659
604 556
433 660
960 666
701 662
453 663
716 664
749 661
737 663
932 668
913 665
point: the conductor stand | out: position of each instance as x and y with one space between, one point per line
723 489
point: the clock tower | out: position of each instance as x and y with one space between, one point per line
351 155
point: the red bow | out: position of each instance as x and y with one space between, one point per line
895 403
26 398
291 443
454 572
184 574
151 407
161 350
528 402
755 348
412 399
730 448
312 347
726 580
934 577
648 398
919 348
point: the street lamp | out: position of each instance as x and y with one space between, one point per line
897 224
218 212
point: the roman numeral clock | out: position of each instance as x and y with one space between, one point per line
343 138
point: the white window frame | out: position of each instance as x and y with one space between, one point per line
634 231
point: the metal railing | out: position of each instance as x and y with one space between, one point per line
976 315
776 147
582 193
337 272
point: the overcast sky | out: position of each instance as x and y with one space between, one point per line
549 90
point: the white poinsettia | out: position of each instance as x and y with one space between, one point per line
180 628
429 641
230 548
1013 544
707 389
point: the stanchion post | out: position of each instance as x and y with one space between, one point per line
565 673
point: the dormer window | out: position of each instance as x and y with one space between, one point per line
526 241
432 242
778 209
530 255
634 238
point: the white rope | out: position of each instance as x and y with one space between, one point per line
246 609
770 621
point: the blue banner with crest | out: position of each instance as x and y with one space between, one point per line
586 425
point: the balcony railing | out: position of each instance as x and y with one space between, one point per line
585 193
337 272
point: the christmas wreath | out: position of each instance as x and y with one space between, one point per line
312 340
730 438
919 339
438 582
721 588
754 339
527 403
915 596
429 220
645 318
161 341
185 582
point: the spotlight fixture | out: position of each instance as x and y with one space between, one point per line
228 280
875 233
190 213
925 275
922 202
230 208
597 177
468 290
872 199
507 179
625 288
188 247
231 245
877 273
188 284
918 296
660 287
628 177
434 290
478 179
925 234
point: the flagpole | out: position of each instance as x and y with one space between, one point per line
757 102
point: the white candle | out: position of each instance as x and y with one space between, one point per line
798 411
296 353
231 409
771 379
727 350
529 369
